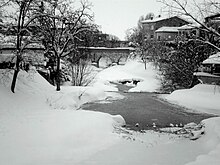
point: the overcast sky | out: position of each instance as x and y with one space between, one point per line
116 16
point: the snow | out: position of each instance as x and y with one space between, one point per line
167 29
189 26
213 142
39 125
154 20
213 59
152 148
204 74
105 48
157 19
202 97
120 120
7 57
132 70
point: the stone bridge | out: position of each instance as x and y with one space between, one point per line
115 55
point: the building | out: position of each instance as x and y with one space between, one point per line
152 25
209 71
213 21
190 31
166 33
212 64
33 54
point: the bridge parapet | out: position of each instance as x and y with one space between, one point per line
114 54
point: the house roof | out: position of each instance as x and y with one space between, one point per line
157 19
167 29
213 59
12 46
8 42
188 27
7 57
205 74
154 20
213 16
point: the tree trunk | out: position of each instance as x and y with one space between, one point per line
13 83
118 60
145 65
14 80
99 58
58 74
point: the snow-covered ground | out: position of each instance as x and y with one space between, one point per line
133 70
202 97
41 126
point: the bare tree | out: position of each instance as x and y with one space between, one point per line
138 37
78 61
61 26
81 73
4 3
24 14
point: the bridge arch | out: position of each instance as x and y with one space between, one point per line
114 54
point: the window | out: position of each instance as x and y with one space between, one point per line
158 38
152 27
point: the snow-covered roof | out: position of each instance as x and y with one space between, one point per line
7 57
154 19
164 18
11 45
216 15
188 27
5 38
204 74
106 48
213 59
167 29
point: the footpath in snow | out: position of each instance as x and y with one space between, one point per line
41 126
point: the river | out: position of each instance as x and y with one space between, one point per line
146 109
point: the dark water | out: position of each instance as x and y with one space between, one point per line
146 109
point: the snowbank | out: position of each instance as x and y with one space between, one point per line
132 70
213 59
202 97
155 148
148 85
72 97
31 84
39 125
114 74
212 142
119 120
53 137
